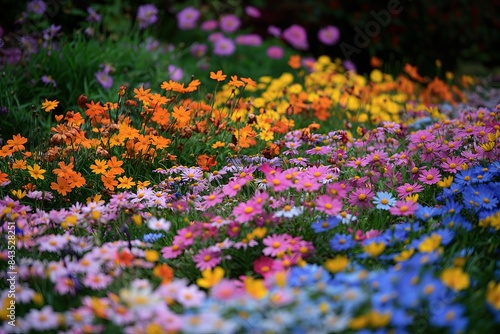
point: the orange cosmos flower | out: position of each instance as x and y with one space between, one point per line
17 143
218 76
249 82
49 105
294 62
115 166
64 170
3 177
235 82
142 95
61 186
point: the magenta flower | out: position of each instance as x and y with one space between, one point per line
274 31
224 47
232 188
408 189
250 39
328 205
171 252
147 15
296 35
187 18
244 212
275 244
175 73
453 164
275 52
252 12
104 79
278 182
198 50
329 35
362 198
225 290
209 25
207 259
404 208
263 266
431 176
229 23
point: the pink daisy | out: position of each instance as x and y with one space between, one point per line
275 244
97 281
211 200
338 189
328 205
404 208
278 182
362 198
226 290
452 164
44 319
190 296
207 259
233 187
408 189
431 176
171 252
263 266
306 183
244 212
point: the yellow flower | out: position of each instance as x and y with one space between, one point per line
374 249
378 320
125 182
151 255
255 287
336 264
218 144
376 76
137 219
49 105
19 194
142 185
210 277
430 244
36 172
455 278
493 295
446 182
405 255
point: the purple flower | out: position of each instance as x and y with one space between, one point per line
198 50
51 32
175 73
252 11
250 39
37 7
93 16
209 25
29 44
186 18
104 79
47 79
224 47
215 36
349 65
275 52
229 23
296 35
147 15
273 30
329 35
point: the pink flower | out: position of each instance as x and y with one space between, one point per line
263 266
206 259
250 39
42 320
97 281
328 205
209 25
225 290
278 182
171 252
452 164
211 200
296 35
186 18
362 198
338 189
244 212
404 208
273 30
329 35
233 187
229 23
275 244
409 189
190 296
431 176
224 47
252 11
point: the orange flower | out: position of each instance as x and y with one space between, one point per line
206 162
6 151
99 167
125 182
109 181
94 110
49 105
249 82
235 82
375 62
3 177
165 272
124 257
65 170
17 143
62 186
412 71
76 179
193 85
181 115
115 166
142 95
218 76
294 62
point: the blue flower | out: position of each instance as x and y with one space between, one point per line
426 212
452 207
322 225
152 237
464 177
450 316
341 242
384 200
